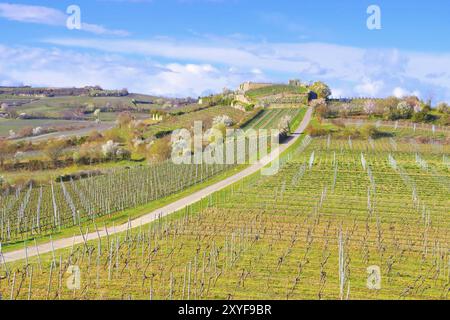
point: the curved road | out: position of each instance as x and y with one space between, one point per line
166 210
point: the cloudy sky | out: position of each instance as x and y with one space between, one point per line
194 47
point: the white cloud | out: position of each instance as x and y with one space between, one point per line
401 92
313 59
374 72
350 70
243 57
188 80
97 29
49 16
32 14
337 93
369 88
66 68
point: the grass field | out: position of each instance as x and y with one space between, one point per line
311 231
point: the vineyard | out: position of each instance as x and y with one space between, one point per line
336 209
270 118
187 120
37 210
276 90
34 210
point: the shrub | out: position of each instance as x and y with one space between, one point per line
94 136
224 119
317 131
369 130
54 149
317 103
423 116
321 108
345 109
38 131
425 107
369 107
404 110
443 108
123 154
159 150
249 107
388 105
116 134
124 119
350 132
6 151
26 132
88 153
321 89
444 120
109 149
322 111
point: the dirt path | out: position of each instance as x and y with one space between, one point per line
166 210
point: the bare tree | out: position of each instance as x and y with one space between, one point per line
54 150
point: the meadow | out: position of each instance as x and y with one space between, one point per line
336 209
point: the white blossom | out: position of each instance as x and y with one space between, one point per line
110 148
369 107
37 131
224 119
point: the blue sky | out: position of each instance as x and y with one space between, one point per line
194 47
